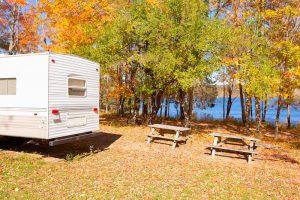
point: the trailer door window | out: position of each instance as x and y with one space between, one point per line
77 87
8 86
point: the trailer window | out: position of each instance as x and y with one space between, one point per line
76 87
8 86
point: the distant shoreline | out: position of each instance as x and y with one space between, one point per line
236 92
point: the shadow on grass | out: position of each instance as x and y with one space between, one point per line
272 157
285 158
227 155
66 151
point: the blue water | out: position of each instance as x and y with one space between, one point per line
216 112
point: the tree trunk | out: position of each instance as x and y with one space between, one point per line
251 110
257 114
106 96
136 108
145 109
176 105
279 104
161 108
14 30
191 101
156 104
181 104
185 108
289 116
248 112
242 104
129 106
229 102
123 107
166 106
224 96
265 108
120 105
106 108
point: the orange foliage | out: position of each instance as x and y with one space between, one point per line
71 24
18 2
29 38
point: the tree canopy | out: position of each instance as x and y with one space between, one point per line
153 51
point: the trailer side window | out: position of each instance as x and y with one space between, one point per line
76 87
8 86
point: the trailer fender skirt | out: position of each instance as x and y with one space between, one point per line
73 138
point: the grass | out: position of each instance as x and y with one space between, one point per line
119 165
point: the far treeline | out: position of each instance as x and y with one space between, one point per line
157 51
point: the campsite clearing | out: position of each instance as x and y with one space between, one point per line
118 164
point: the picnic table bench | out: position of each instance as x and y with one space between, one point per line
156 135
236 141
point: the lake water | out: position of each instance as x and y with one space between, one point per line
216 112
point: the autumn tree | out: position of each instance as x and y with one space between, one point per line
71 24
12 19
283 23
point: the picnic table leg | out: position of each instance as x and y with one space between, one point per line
251 149
150 139
176 137
213 151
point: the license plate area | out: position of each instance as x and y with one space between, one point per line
73 121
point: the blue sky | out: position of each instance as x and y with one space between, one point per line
32 1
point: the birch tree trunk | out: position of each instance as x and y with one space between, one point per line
242 104
248 114
121 106
14 31
279 104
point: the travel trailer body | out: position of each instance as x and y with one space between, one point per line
48 96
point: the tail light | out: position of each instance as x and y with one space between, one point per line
55 112
95 110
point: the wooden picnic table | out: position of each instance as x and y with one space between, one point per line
236 141
179 137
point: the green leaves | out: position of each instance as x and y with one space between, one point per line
174 43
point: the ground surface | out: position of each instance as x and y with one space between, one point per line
119 165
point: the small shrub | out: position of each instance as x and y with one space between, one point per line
72 157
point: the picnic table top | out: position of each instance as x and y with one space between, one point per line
234 136
168 127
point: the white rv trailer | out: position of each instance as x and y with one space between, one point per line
48 96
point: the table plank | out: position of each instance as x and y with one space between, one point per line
235 150
234 136
168 138
168 127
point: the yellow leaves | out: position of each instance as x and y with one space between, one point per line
269 14
281 13
152 2
296 74
231 61
120 90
